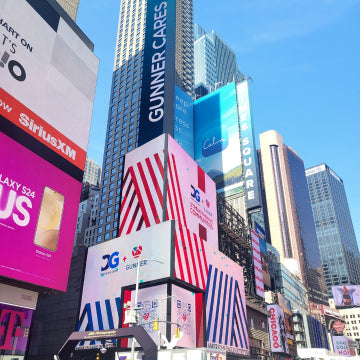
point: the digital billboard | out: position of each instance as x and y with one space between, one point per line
217 138
259 281
344 346
38 212
15 325
277 329
115 262
217 286
248 148
263 252
346 295
158 82
48 78
162 182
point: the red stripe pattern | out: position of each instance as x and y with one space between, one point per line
190 260
142 202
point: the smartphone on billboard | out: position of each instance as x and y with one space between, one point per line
49 221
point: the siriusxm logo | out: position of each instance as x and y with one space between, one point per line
214 141
112 261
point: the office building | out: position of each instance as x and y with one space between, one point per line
338 248
132 95
70 6
214 61
92 172
291 229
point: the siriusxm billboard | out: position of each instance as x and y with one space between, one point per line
217 138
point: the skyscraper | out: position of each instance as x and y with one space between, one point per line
70 6
92 172
153 52
214 61
291 228
338 248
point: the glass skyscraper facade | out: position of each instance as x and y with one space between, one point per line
125 98
214 61
337 242
288 219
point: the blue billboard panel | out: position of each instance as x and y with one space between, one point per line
183 128
217 138
249 154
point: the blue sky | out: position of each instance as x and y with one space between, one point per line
303 57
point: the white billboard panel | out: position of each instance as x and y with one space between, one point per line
113 265
277 330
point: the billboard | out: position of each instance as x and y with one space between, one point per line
289 323
277 330
15 325
48 79
344 346
184 125
217 285
259 281
38 212
217 138
263 252
115 262
157 105
248 148
162 182
348 295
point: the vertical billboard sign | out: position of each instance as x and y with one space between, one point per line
344 346
48 76
184 127
277 330
348 295
259 281
263 252
249 154
217 138
158 82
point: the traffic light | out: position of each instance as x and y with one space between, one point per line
97 356
155 325
177 332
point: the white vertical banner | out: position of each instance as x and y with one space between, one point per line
259 280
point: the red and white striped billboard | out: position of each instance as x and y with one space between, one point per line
162 182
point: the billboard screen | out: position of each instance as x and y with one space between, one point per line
48 78
248 148
344 346
115 262
217 138
259 281
38 211
348 295
15 325
189 194
277 329
263 252
184 126
157 105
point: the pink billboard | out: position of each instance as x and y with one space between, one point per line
259 280
38 210
161 172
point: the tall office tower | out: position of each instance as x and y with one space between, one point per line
92 172
338 248
70 6
291 226
153 68
214 61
